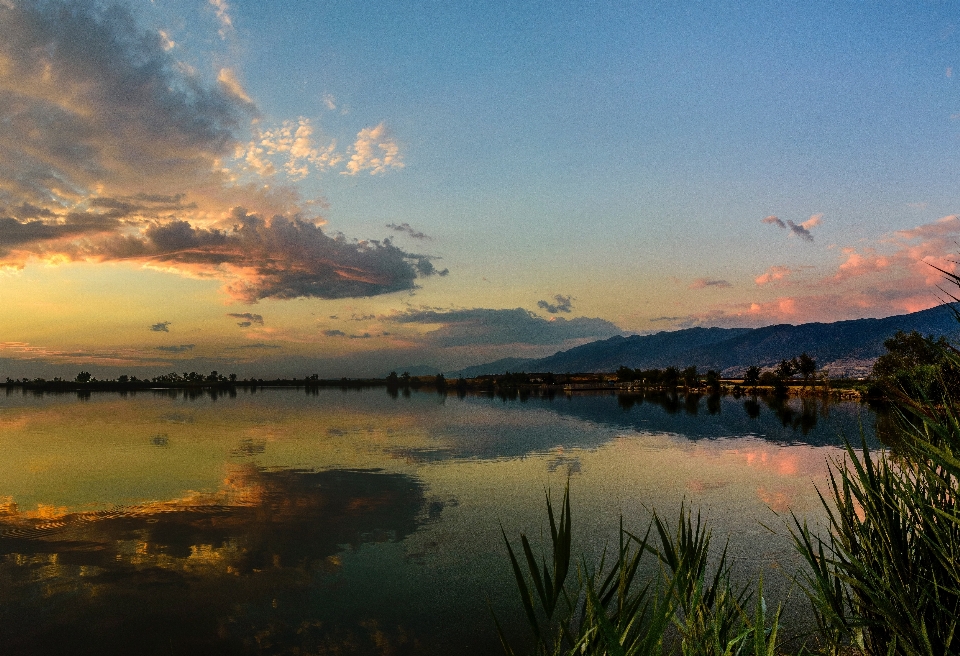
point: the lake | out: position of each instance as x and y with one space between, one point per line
332 521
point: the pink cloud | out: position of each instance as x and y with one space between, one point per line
814 220
773 274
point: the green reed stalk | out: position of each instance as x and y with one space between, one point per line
609 611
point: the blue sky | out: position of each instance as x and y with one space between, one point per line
658 165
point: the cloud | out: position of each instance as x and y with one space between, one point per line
895 276
562 304
703 283
257 258
246 318
773 274
222 10
228 79
488 326
374 151
182 348
162 327
258 345
668 319
814 220
110 358
405 227
113 150
91 101
334 333
801 230
291 146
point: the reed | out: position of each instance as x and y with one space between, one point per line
610 610
886 577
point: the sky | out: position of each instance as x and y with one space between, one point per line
346 189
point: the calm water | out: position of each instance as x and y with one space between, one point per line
356 522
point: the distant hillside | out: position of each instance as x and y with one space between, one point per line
843 347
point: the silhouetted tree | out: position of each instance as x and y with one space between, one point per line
626 374
806 367
785 369
713 381
752 377
83 377
690 376
670 377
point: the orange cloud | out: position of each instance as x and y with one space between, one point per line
773 274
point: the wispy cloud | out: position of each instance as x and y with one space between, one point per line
104 357
405 227
562 304
801 230
773 274
222 10
246 319
182 348
704 283
665 319
161 327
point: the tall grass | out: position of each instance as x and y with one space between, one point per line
609 610
886 577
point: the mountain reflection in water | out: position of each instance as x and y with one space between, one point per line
229 572
353 522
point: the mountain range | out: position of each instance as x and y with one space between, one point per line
844 348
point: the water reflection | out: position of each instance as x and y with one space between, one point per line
214 573
354 521
811 421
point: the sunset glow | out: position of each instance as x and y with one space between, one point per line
280 189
